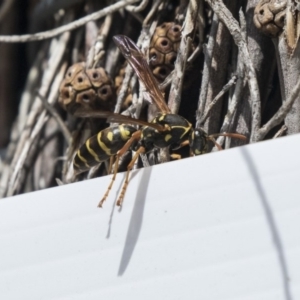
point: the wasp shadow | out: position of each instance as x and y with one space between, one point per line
271 222
136 221
114 206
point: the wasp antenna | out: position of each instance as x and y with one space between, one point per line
211 138
232 135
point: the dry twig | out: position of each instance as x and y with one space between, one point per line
137 8
225 88
281 113
180 64
28 137
68 27
234 101
280 132
4 9
230 22
52 111
244 61
207 50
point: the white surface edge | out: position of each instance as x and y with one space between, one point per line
220 226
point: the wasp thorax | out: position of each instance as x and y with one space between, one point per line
176 130
269 16
198 141
163 49
86 88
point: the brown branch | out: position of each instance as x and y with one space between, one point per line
208 51
180 64
52 111
97 50
225 88
152 12
232 25
124 88
280 132
32 126
235 99
137 8
280 114
68 27
4 9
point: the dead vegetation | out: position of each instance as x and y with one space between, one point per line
226 66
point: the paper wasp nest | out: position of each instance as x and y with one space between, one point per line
162 53
163 49
86 88
269 16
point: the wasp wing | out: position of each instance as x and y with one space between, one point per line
116 118
136 59
93 113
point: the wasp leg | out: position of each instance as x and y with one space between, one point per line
135 136
210 138
185 143
111 182
232 135
111 161
175 156
129 168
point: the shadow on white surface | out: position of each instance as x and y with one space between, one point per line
224 226
113 209
114 206
270 220
136 220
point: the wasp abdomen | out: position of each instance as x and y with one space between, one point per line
102 146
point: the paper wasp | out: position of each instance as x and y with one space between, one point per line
165 130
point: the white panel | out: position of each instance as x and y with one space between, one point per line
220 226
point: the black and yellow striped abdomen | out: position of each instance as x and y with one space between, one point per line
102 146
